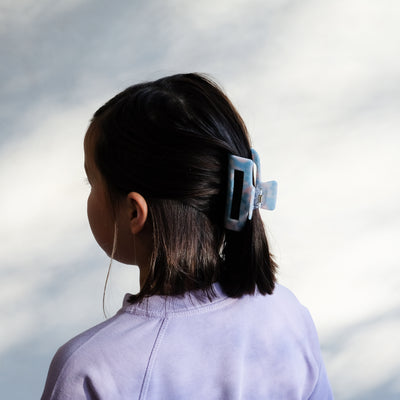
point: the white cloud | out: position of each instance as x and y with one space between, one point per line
24 12
374 360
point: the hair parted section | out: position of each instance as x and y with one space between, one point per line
170 140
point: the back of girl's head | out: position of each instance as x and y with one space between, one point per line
170 141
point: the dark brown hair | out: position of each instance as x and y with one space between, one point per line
170 140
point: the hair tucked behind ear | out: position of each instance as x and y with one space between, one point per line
170 140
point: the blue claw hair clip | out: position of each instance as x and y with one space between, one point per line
246 192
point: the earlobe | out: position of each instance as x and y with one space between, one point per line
137 212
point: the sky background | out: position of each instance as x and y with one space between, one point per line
318 85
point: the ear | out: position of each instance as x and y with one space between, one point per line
138 210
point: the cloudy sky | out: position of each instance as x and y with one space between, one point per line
318 84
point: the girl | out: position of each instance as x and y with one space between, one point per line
172 191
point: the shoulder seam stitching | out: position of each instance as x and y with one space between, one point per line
150 364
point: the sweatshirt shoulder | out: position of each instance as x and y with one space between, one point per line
283 300
100 356
284 293
69 361
73 345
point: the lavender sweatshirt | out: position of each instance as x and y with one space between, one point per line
255 347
